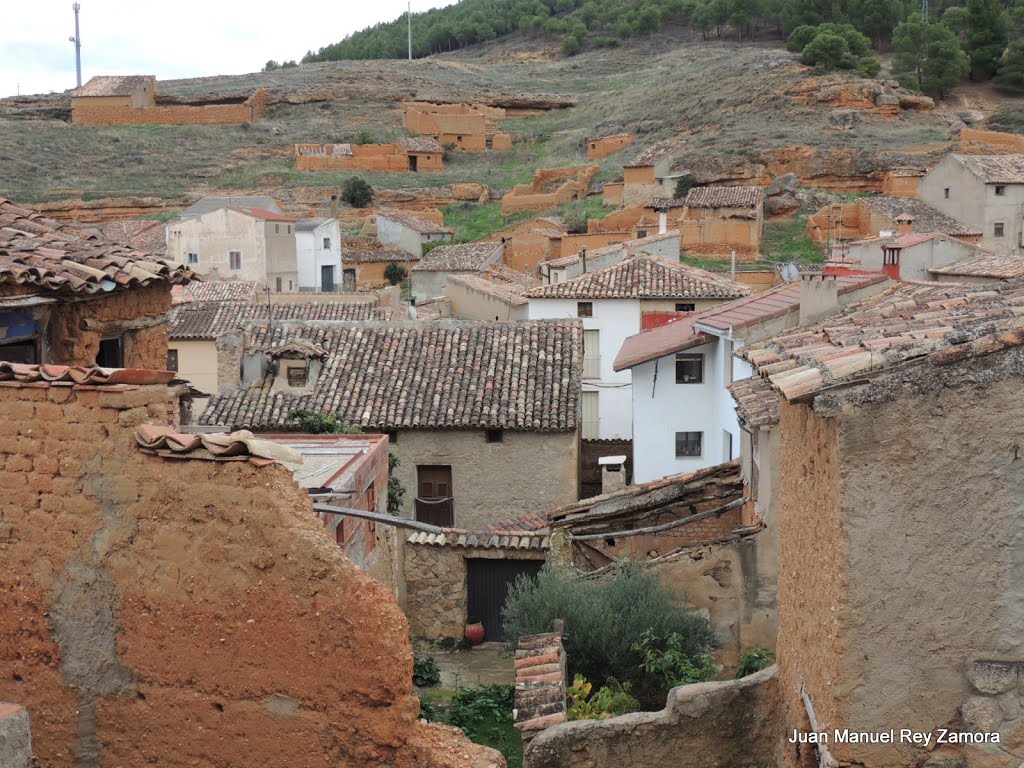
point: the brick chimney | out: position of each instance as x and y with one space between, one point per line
819 296
904 224
613 473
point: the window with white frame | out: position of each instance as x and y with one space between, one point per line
327 243
192 258
688 444
235 259
591 419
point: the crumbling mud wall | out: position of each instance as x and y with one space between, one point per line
608 145
550 188
187 612
173 114
708 725
367 157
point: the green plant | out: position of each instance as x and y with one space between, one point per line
447 643
364 136
666 659
318 423
610 700
684 184
395 488
485 715
395 273
425 672
356 192
754 659
432 244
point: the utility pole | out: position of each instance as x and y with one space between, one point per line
77 40
409 17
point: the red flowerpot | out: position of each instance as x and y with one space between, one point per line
475 633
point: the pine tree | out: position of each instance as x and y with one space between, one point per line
987 35
928 56
1011 69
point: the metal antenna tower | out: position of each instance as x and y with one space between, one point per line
924 10
77 40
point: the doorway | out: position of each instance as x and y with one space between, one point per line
412 162
348 281
327 279
487 585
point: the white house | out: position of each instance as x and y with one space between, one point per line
409 232
684 417
617 302
318 251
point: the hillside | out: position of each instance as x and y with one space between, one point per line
746 112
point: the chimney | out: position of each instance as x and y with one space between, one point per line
662 221
229 361
334 207
904 224
583 257
819 296
613 473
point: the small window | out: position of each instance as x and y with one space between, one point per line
641 234
277 229
298 375
327 243
689 369
584 309
279 284
111 354
688 443
495 435
891 256
20 352
235 259
997 229
172 360
458 138
1000 189
945 192
686 307
289 229
193 258
392 435
290 288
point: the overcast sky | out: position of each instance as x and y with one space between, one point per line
178 38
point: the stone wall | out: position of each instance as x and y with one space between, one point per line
708 725
15 737
173 114
550 188
158 612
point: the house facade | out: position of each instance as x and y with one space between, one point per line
612 304
318 254
364 264
983 191
410 232
238 243
430 275
906 255
649 174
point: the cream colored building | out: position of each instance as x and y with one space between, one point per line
238 243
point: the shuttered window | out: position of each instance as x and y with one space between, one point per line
591 354
590 416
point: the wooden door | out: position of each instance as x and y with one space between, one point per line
434 502
348 281
487 585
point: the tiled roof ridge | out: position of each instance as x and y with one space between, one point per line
240 445
46 374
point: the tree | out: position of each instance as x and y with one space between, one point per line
1010 77
683 185
800 37
270 66
928 56
955 19
571 46
357 192
394 273
827 51
987 35
876 18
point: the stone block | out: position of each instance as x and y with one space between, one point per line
980 713
993 677
15 737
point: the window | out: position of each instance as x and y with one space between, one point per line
290 285
192 258
686 307
327 243
891 256
641 234
495 435
289 229
172 360
392 435
584 309
945 192
277 229
689 369
591 419
26 351
1000 190
111 354
688 443
298 374
997 229
235 259
434 502
279 284
591 354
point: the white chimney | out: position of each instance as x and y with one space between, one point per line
613 473
662 221
819 296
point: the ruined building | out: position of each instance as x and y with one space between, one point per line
405 155
471 128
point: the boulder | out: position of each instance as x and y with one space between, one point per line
916 101
787 183
781 204
887 100
843 119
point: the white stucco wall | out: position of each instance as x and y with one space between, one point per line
213 236
312 256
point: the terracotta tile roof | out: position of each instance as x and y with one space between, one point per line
113 85
626 247
215 290
462 257
643 276
658 342
295 349
63 374
419 224
984 265
775 302
145 236
757 402
526 523
929 324
540 666
453 537
652 155
207 204
725 197
666 202
262 213
444 375
236 446
995 169
926 218
310 223
421 145
512 293
40 252
374 256
209 320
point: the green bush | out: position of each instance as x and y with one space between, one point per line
571 46
800 37
363 136
318 423
666 660
610 700
683 185
604 620
754 659
425 672
395 273
357 192
395 488
834 46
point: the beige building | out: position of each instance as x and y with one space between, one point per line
484 417
238 243
650 174
410 232
430 275
497 294
983 191
907 255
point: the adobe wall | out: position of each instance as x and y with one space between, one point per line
524 252
365 157
550 188
436 602
158 612
608 145
571 244
708 725
711 235
178 114
628 218
900 186
844 221
611 193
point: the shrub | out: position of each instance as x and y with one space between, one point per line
604 619
800 37
683 185
571 46
363 136
432 244
395 488
318 423
425 672
605 42
867 66
754 659
611 700
357 192
666 660
395 273
472 706
834 46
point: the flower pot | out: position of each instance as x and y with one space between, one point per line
475 633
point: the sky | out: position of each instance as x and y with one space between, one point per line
179 38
